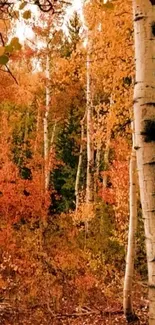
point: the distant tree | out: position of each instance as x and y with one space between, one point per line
73 38
67 152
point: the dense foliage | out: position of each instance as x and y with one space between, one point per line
56 260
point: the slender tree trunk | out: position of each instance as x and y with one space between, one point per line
110 123
127 300
97 171
26 130
90 151
51 148
97 158
47 105
37 126
144 114
106 159
90 158
77 182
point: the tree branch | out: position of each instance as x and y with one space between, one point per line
11 74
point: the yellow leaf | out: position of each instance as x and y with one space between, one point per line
27 14
2 50
23 4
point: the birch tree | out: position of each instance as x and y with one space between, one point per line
127 300
77 181
144 115
47 106
89 109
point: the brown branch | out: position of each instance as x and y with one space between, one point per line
93 312
11 74
45 6
2 39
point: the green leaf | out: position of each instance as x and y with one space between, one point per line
22 6
8 48
4 59
27 14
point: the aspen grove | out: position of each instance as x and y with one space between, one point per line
77 162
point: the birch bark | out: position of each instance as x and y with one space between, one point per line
90 158
77 182
144 115
47 106
127 299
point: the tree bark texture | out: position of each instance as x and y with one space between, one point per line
47 105
77 181
129 272
144 115
90 152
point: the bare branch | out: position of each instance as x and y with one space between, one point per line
2 39
11 74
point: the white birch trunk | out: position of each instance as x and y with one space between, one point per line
90 160
97 171
144 114
108 141
129 272
37 126
51 147
47 106
77 181
106 159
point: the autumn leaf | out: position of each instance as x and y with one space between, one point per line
15 43
22 6
108 5
27 14
2 50
4 59
8 48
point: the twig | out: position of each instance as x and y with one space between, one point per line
93 312
2 40
11 74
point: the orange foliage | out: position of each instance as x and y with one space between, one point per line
118 173
19 198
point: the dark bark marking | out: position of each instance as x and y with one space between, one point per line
153 260
153 28
136 100
151 163
136 148
151 286
139 18
149 131
152 2
131 317
148 104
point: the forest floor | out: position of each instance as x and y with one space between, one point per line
112 315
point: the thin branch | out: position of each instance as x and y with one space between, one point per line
11 74
2 39
93 312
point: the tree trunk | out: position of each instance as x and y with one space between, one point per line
97 171
39 123
90 159
77 182
46 140
127 300
106 159
110 123
144 115
50 155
